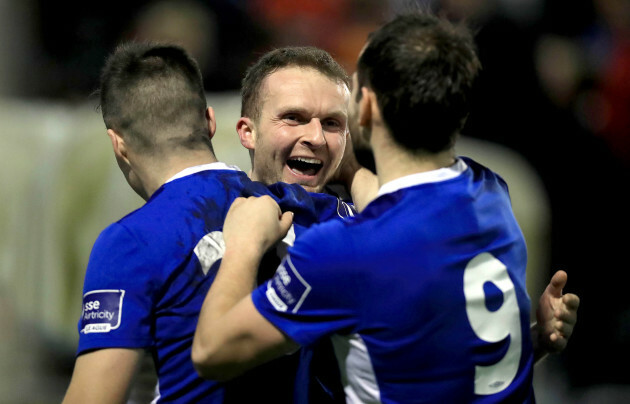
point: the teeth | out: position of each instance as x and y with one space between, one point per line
307 160
305 165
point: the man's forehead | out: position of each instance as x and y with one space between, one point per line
277 77
286 83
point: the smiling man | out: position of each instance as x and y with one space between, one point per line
149 272
294 116
294 122
403 290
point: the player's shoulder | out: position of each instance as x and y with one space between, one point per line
115 255
328 239
309 207
480 172
209 183
144 221
196 195
326 253
115 233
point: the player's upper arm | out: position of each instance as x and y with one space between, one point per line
245 339
103 376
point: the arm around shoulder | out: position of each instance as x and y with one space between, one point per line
231 335
244 340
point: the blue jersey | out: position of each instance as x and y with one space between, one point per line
149 273
423 294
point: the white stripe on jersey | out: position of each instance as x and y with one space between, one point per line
357 372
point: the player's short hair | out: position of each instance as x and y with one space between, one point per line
152 94
423 70
292 56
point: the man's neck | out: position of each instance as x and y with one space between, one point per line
393 161
159 170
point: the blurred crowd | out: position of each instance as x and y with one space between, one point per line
571 59
555 88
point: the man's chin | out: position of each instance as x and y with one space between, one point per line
313 188
307 185
314 183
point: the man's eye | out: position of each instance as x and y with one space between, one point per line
331 123
291 118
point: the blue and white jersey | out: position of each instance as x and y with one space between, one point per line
149 273
423 294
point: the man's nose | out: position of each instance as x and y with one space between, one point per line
313 135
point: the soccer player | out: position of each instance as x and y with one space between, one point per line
423 294
294 116
149 272
294 113
294 103
168 160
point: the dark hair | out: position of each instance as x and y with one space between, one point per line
153 96
423 70
300 56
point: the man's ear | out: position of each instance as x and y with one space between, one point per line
212 123
118 144
246 132
366 107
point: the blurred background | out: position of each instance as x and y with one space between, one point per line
552 116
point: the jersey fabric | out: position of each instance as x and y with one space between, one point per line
317 380
149 273
423 294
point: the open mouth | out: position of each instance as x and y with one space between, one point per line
305 166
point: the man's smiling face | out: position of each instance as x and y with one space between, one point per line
301 133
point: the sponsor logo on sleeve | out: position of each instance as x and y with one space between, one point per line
287 290
102 310
274 299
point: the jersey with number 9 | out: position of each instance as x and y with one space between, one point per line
423 294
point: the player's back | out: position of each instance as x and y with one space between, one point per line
424 293
451 261
153 269
150 272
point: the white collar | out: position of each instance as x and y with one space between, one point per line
441 174
203 167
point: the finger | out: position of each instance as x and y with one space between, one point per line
273 205
572 301
564 316
269 200
556 342
268 204
557 283
567 310
285 222
564 330
264 199
238 201
559 343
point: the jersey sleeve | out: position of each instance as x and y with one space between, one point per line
117 295
314 291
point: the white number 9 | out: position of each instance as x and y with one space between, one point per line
493 326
